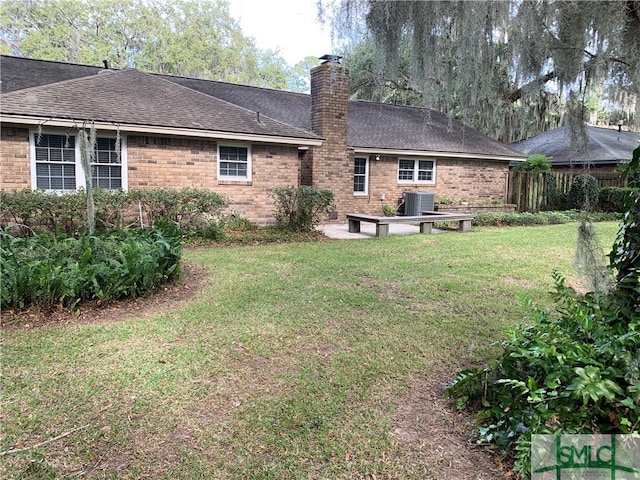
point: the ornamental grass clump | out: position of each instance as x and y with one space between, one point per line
46 270
572 370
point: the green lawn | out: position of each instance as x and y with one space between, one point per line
287 365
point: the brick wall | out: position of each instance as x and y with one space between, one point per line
178 163
472 180
15 169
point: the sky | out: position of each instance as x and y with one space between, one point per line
289 26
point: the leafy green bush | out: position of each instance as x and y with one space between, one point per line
389 211
299 209
536 163
198 212
501 219
612 199
583 194
554 199
238 223
47 270
573 370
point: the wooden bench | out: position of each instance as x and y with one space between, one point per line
426 221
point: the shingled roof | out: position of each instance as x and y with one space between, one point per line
132 98
371 125
136 98
605 146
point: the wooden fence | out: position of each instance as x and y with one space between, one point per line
529 191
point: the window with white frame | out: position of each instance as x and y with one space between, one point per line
234 162
106 168
416 171
56 163
360 175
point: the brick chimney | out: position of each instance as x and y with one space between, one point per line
332 162
329 96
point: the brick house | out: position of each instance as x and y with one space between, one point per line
240 141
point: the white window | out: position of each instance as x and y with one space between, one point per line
416 171
56 165
234 162
106 168
360 175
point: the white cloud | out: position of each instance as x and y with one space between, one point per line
289 26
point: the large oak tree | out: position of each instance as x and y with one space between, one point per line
502 66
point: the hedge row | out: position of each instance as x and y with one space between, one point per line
497 219
31 211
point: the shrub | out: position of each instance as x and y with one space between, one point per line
554 199
111 208
299 209
389 211
612 199
500 219
573 370
194 210
238 223
46 270
583 194
197 212
536 163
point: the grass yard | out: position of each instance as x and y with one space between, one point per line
289 364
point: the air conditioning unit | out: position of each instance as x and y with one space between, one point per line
417 202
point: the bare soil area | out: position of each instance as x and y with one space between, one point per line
438 438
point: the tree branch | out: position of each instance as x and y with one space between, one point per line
62 435
516 95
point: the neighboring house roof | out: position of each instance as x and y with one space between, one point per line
136 98
131 99
605 146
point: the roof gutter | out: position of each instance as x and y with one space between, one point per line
432 153
148 129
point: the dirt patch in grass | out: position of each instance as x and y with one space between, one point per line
192 279
438 438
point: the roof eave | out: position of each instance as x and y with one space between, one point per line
160 130
434 153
